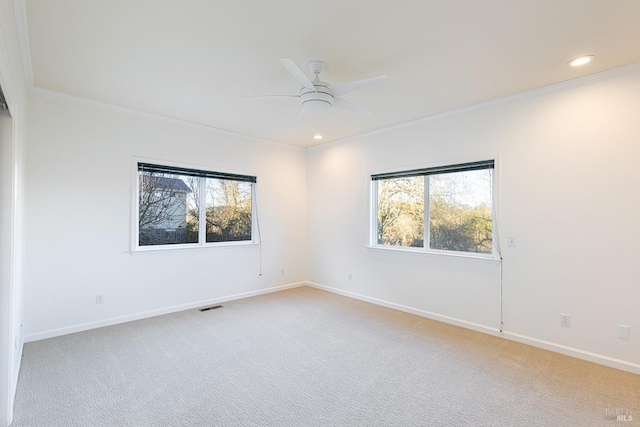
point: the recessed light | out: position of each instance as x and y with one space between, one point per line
317 136
581 60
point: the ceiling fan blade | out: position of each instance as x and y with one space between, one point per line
342 88
341 103
297 73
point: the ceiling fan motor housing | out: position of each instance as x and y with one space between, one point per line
316 101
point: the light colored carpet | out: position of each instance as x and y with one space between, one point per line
305 357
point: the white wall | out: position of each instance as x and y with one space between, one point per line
79 197
569 193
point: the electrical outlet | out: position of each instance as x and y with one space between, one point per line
282 271
565 320
99 299
350 277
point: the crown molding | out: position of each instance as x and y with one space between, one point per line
530 94
20 13
86 102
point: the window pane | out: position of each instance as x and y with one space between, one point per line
460 217
401 211
228 210
168 209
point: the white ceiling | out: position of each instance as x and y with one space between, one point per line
194 60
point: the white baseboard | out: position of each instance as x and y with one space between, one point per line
534 342
423 313
575 352
152 313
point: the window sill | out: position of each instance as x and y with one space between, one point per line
448 254
190 247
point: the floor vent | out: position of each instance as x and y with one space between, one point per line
213 307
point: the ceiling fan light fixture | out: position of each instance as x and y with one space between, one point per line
318 101
581 60
315 105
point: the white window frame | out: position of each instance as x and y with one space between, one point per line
495 254
202 243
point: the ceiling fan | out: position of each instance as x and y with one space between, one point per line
316 95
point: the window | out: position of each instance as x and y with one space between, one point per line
448 208
181 206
